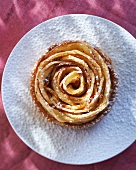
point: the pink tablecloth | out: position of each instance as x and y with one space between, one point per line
16 18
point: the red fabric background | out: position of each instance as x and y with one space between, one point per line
16 18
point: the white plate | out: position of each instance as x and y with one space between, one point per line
109 137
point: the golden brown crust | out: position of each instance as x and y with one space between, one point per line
98 117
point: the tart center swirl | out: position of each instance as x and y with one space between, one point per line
72 82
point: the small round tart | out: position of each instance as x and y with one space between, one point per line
73 84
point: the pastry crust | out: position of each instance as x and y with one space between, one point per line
74 84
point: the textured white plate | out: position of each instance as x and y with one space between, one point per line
114 133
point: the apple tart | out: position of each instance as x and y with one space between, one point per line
73 84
